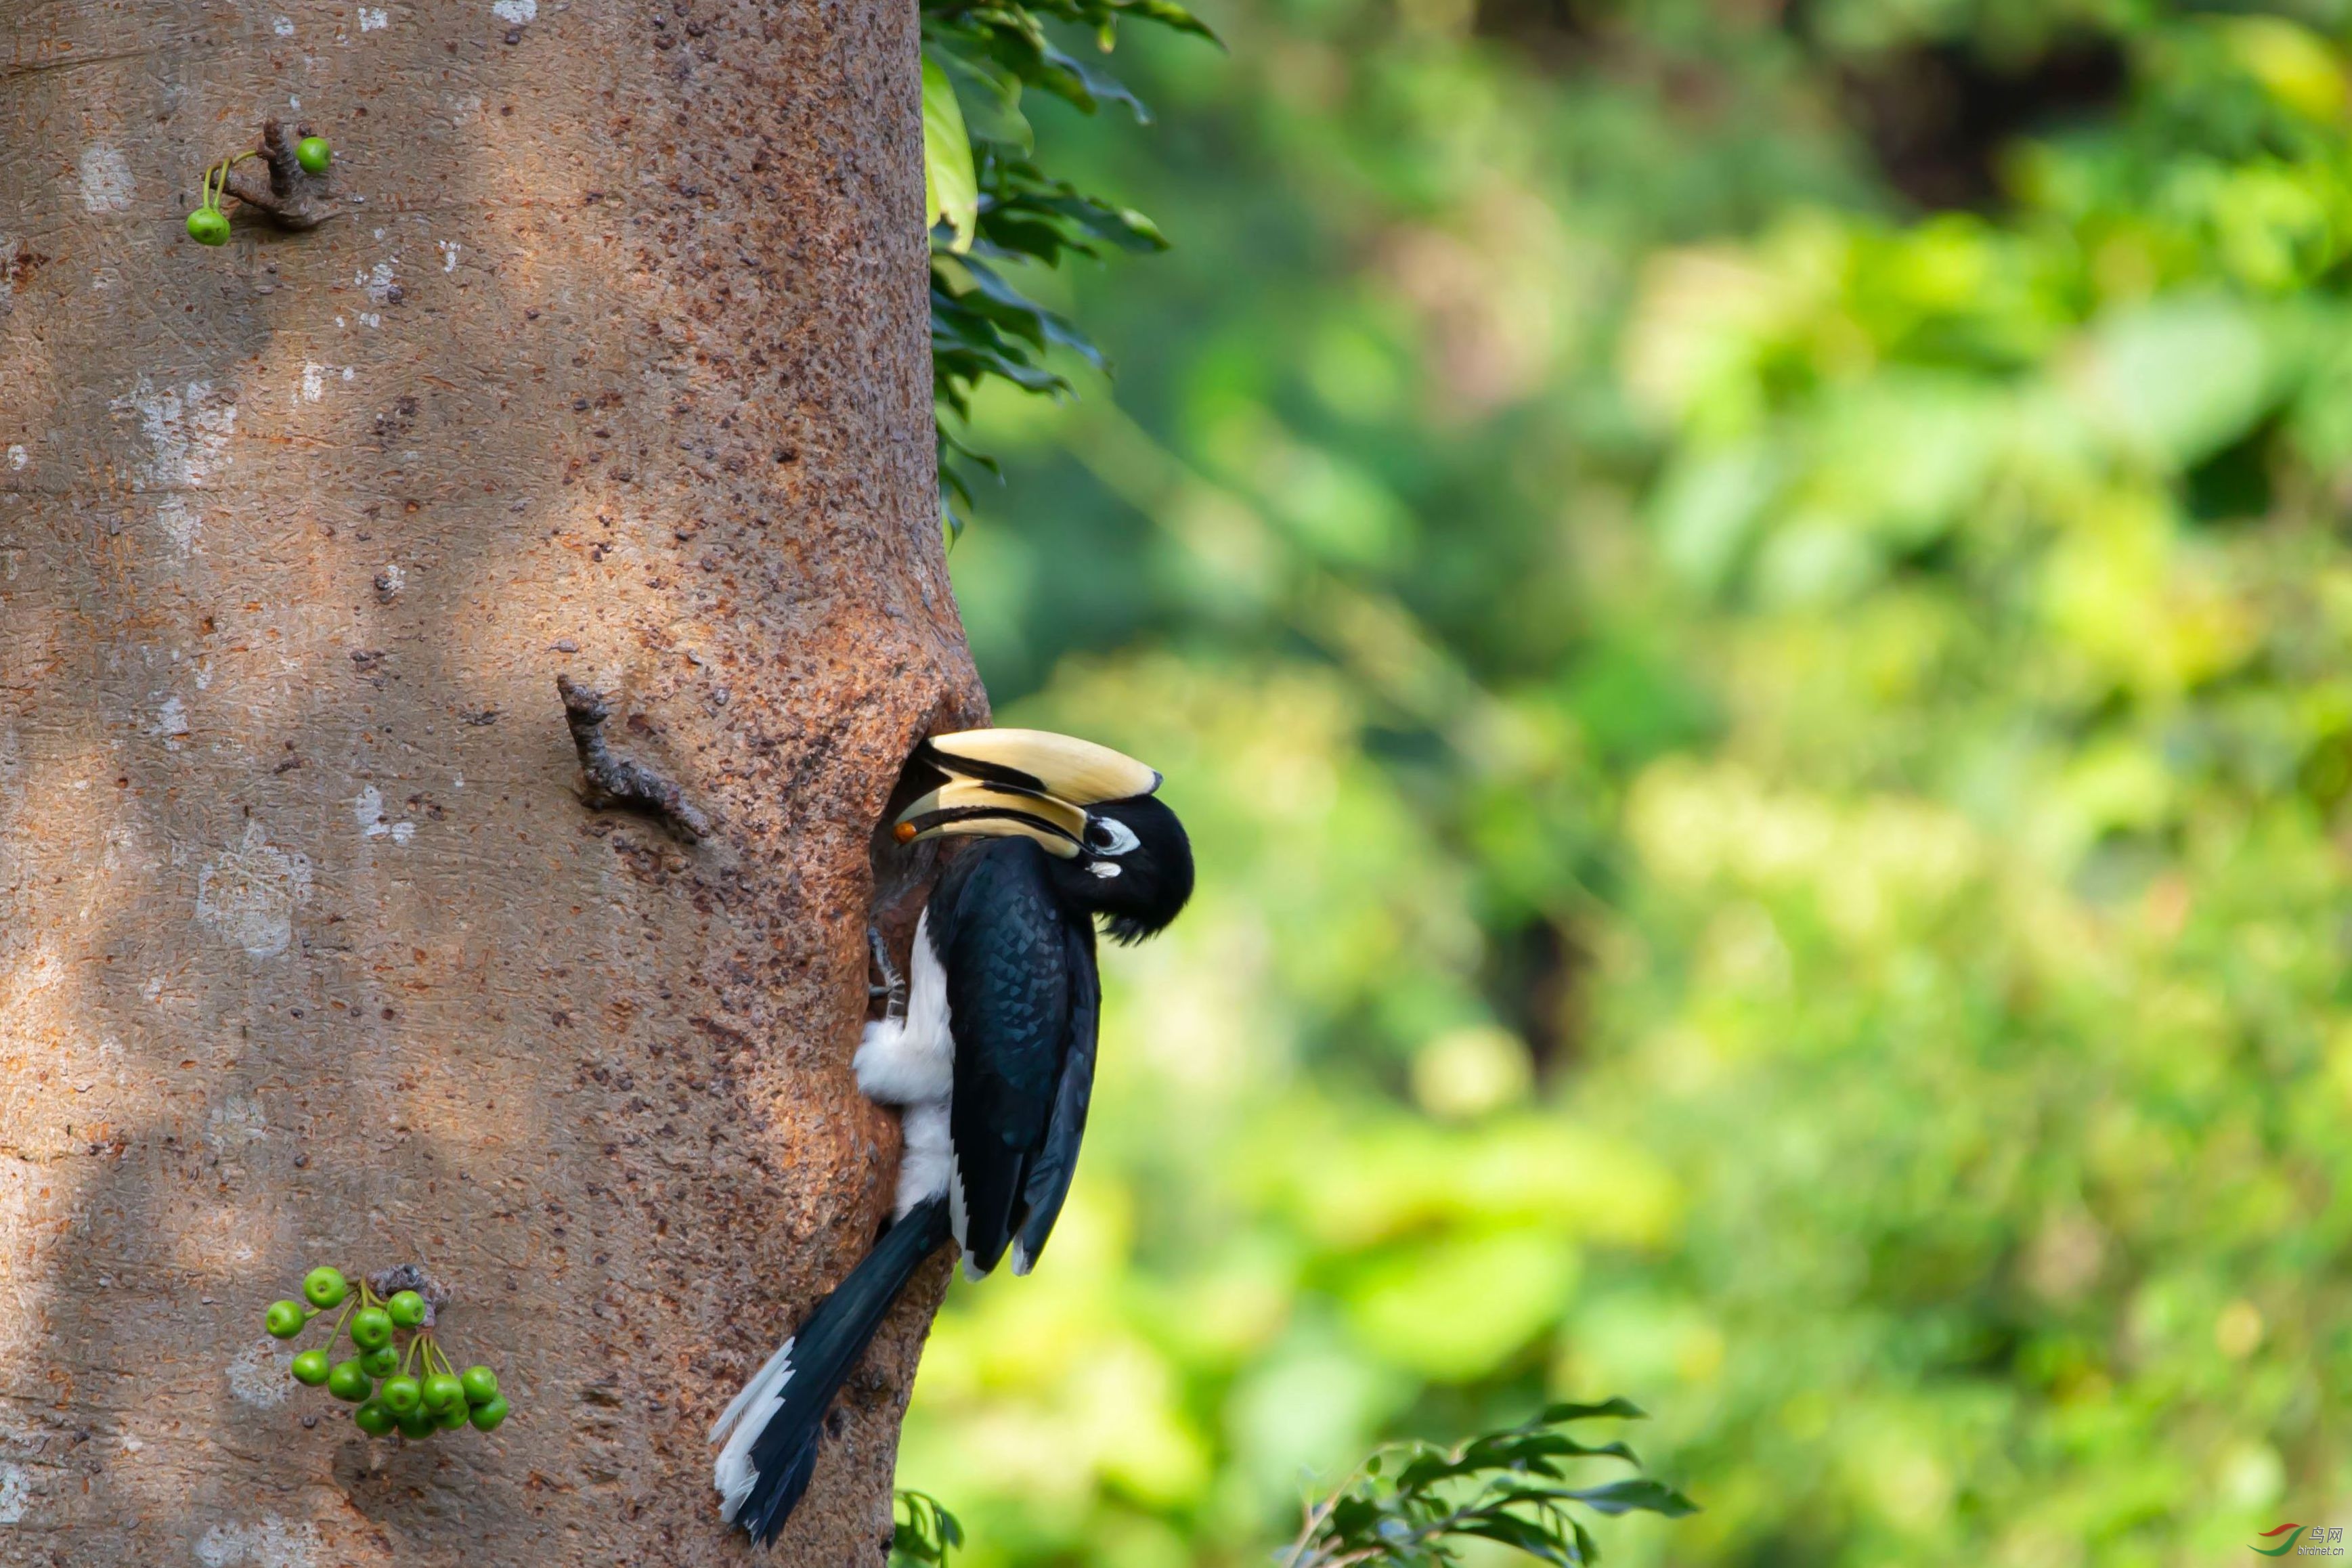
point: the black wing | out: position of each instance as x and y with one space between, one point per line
1012 993
1051 1170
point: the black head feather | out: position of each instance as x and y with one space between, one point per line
1135 870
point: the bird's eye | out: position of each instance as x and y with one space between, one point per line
1106 836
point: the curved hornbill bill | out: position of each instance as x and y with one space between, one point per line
991 1056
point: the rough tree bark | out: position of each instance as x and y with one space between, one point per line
613 367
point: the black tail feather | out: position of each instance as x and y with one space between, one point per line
827 1346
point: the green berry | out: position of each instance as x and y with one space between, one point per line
349 1381
382 1361
443 1391
311 1368
488 1418
285 1320
407 1309
480 1384
314 154
373 1418
208 226
417 1425
324 1287
450 1420
400 1393
371 1328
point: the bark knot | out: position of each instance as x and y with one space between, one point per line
390 1282
614 780
278 186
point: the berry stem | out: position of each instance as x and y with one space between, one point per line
215 180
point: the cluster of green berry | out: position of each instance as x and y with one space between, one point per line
422 1390
209 225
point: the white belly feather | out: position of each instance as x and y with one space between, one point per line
911 1062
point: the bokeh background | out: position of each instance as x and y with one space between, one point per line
1749 607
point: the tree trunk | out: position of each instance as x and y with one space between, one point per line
614 366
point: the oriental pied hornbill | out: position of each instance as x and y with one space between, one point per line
991 1056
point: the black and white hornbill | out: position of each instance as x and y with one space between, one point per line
991 1056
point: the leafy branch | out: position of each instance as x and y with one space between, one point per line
1413 1504
921 1532
991 205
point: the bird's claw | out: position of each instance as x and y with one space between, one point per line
894 984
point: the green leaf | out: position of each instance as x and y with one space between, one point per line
951 185
1538 1542
1624 1409
1641 1494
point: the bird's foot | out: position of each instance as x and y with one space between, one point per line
894 984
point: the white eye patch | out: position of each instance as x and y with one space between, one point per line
1105 835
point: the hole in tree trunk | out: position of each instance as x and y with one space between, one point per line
903 873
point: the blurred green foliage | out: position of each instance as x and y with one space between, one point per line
1746 603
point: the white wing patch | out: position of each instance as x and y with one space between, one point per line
747 1416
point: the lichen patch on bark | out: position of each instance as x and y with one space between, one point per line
248 895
